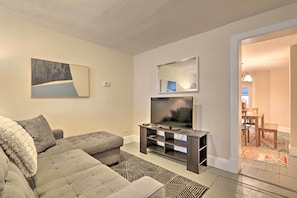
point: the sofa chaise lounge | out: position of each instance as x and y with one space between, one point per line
69 167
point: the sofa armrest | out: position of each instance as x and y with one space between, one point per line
58 133
143 187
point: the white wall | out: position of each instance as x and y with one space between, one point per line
107 109
213 101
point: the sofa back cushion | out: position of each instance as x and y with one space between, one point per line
12 181
19 146
40 131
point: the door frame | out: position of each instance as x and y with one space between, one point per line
235 85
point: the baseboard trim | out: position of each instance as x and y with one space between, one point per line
283 129
292 151
131 138
230 165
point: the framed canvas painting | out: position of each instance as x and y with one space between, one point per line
51 79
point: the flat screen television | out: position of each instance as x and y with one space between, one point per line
172 112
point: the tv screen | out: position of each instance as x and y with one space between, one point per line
172 112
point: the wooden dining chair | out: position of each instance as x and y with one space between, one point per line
272 128
245 128
251 110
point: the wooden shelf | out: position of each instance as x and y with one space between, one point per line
156 148
177 155
157 138
175 142
204 147
203 161
195 145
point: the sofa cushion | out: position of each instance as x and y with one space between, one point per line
62 164
18 145
92 143
41 132
75 174
149 188
12 181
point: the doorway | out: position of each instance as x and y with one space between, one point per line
236 40
265 63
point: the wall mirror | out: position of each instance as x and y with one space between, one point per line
179 76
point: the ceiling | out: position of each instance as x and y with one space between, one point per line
269 51
135 26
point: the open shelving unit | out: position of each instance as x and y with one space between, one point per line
163 141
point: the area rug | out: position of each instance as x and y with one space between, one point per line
133 168
266 151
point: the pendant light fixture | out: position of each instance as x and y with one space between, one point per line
247 77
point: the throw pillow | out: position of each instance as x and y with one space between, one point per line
18 146
41 132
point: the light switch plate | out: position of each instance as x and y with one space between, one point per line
106 84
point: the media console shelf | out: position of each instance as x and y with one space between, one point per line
193 150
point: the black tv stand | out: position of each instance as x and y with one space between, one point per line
195 145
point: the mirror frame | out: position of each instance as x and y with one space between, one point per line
176 63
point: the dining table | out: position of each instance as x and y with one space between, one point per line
256 117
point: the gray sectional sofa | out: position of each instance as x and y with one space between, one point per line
70 167
101 145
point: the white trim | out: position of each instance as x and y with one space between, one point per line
292 151
283 129
234 106
234 115
225 164
131 138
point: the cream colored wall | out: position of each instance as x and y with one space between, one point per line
280 97
213 102
107 109
261 97
271 95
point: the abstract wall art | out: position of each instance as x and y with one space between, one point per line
58 80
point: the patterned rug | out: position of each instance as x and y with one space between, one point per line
266 151
133 168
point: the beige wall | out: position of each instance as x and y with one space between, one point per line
271 95
107 108
261 92
213 102
280 97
